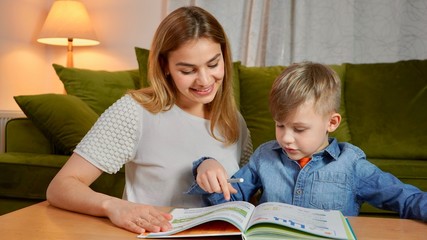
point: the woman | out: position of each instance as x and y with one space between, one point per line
188 112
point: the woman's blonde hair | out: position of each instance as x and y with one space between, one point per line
301 82
183 25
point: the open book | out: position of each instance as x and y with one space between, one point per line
269 220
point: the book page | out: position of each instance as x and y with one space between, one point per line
237 213
315 221
208 229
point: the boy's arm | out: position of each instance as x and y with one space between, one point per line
385 191
211 176
244 191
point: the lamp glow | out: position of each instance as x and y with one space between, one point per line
68 24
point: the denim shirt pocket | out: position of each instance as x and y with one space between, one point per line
329 190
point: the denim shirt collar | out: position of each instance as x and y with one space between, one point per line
332 150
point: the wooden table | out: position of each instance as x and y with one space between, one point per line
42 221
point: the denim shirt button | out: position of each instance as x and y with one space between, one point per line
299 191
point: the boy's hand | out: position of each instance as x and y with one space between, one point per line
212 177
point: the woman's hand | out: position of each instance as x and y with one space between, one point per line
137 218
212 177
70 190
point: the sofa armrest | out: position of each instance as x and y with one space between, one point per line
22 135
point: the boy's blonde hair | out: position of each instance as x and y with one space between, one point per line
179 27
305 81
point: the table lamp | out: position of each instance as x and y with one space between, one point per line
68 24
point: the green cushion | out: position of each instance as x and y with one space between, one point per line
99 89
27 175
18 129
255 86
343 131
142 58
64 119
407 170
236 83
386 108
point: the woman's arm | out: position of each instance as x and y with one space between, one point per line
70 190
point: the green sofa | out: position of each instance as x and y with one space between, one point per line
383 106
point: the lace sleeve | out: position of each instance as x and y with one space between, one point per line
247 150
112 141
247 147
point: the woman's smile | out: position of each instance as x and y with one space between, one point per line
203 91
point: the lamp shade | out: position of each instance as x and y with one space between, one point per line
68 19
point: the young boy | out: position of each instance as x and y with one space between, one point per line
305 167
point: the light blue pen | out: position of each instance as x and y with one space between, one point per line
235 180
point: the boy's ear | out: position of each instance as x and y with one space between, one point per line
334 122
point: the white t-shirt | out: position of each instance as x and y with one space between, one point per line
158 151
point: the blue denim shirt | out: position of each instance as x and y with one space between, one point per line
338 177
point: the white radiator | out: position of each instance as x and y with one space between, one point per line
6 115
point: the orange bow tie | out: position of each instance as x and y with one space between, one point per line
303 161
